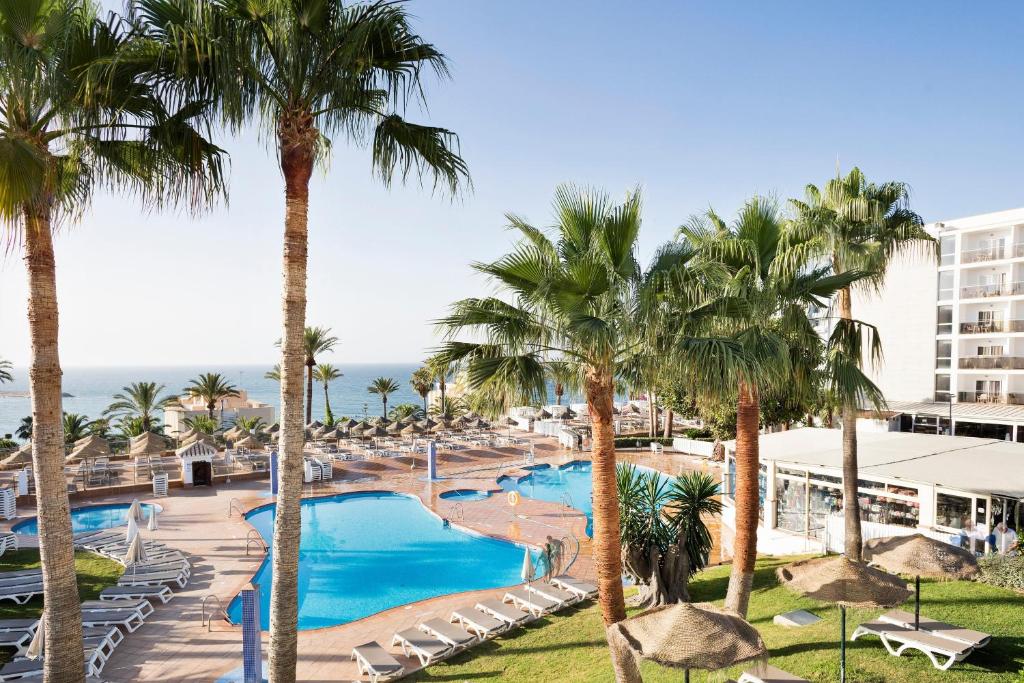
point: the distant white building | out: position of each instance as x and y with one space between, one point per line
228 409
953 330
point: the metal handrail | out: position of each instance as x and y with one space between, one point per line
254 537
208 621
576 552
458 512
235 504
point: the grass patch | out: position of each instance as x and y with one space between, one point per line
94 574
571 645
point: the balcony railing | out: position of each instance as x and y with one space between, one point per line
992 363
1000 289
991 326
988 397
992 253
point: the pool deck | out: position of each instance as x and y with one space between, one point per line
174 646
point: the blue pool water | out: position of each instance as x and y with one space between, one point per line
570 484
465 495
367 552
89 518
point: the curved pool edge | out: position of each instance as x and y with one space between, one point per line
234 595
16 523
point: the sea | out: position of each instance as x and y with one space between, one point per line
91 389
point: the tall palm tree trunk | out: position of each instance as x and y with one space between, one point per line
327 405
385 400
669 416
737 597
607 544
309 377
296 152
61 606
851 503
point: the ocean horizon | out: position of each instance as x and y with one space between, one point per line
92 389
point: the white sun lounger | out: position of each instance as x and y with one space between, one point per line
139 605
506 613
22 593
531 602
935 647
113 634
115 593
19 625
375 662
455 636
766 673
480 623
20 580
966 636
546 590
581 588
21 572
33 668
18 640
153 579
154 567
427 649
128 619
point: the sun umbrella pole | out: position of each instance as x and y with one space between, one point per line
917 602
842 644
686 676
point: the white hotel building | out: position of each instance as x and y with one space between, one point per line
953 331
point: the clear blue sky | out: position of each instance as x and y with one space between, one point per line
699 105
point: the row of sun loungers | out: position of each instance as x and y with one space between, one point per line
435 639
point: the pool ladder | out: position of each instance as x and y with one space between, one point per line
566 500
233 506
254 537
458 513
208 619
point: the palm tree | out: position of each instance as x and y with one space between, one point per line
77 116
771 286
309 71
315 341
568 304
383 387
449 407
250 424
210 387
274 374
422 381
5 371
139 399
75 427
559 392
404 411
327 373
24 431
202 423
857 226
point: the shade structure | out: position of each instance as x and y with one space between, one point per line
187 434
234 434
315 424
330 435
249 441
688 636
200 437
569 414
135 510
380 421
526 573
88 448
543 414
19 458
440 427
375 430
358 429
133 530
918 555
846 583
35 648
136 551
409 430
345 425
394 428
427 423
318 432
471 423
152 525
274 428
511 421
196 449
148 443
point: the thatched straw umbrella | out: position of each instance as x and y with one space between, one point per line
234 434
440 426
426 424
188 434
394 428
846 583
358 429
921 556
197 436
686 636
374 430
89 447
412 429
315 424
148 443
274 428
19 458
330 435
542 414
249 441
380 421
346 425
318 432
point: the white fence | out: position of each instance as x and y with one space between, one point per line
704 449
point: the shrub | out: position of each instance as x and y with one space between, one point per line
1003 571
644 441
702 433
7 443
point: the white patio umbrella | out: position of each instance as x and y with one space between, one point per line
135 511
152 526
136 551
35 648
133 530
527 571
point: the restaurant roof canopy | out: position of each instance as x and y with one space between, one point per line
965 463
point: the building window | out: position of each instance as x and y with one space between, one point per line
947 247
941 389
791 504
984 431
945 285
945 318
953 512
943 353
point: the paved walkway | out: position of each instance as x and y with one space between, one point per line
173 645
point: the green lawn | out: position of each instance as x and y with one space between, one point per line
571 646
94 574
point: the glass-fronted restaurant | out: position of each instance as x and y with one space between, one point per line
956 486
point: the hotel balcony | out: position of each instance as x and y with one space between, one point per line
986 397
991 363
995 253
998 289
991 326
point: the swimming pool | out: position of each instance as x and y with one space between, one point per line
571 484
362 553
465 495
90 518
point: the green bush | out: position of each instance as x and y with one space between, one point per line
1003 571
7 443
644 441
700 433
